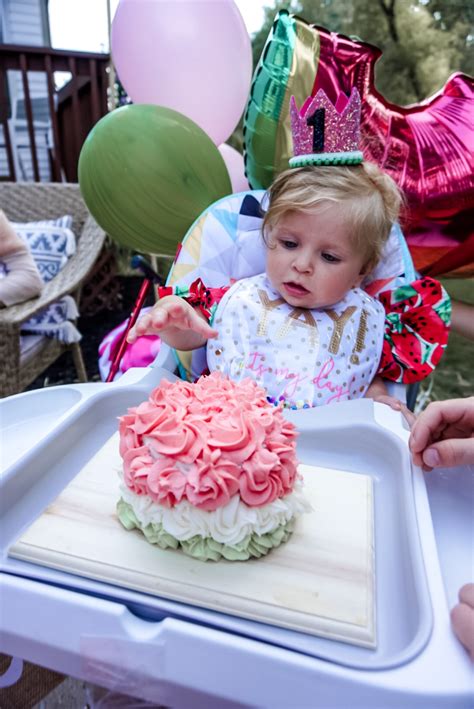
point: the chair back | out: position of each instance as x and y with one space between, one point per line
27 202
35 201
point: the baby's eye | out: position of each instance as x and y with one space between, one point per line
330 258
288 244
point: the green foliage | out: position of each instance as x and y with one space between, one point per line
453 377
423 41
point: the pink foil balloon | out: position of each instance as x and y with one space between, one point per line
427 148
235 167
193 56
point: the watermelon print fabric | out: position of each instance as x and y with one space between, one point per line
417 320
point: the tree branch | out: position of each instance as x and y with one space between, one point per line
389 12
388 8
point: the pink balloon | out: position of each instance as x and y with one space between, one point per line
193 56
235 167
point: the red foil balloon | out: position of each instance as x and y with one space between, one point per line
427 148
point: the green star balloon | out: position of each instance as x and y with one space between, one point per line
287 67
146 173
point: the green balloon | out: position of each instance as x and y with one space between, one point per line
146 173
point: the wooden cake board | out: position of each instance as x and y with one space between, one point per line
320 582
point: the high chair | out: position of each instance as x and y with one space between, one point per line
151 645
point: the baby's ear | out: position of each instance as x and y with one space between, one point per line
359 280
364 272
367 268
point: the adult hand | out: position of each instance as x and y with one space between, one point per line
462 618
443 434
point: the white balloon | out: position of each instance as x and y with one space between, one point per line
235 167
193 56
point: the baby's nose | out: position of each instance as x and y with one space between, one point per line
303 263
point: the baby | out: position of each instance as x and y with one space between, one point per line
305 329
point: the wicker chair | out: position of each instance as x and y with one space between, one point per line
24 202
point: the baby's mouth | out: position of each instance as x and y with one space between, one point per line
295 289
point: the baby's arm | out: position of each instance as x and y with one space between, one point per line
177 323
378 392
462 318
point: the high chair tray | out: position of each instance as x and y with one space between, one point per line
342 437
320 582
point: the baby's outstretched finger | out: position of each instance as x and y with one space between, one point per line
139 328
389 400
197 323
178 307
159 318
206 330
131 335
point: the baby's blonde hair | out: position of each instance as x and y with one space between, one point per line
369 200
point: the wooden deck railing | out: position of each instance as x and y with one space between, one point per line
73 110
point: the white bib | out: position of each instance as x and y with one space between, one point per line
301 357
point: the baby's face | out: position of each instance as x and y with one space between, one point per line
311 260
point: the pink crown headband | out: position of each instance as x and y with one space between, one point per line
324 134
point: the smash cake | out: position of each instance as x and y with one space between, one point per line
210 467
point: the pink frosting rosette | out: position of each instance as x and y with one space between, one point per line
206 442
212 484
166 483
136 467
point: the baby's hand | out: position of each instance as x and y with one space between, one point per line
169 315
396 404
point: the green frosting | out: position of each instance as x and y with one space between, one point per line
205 548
